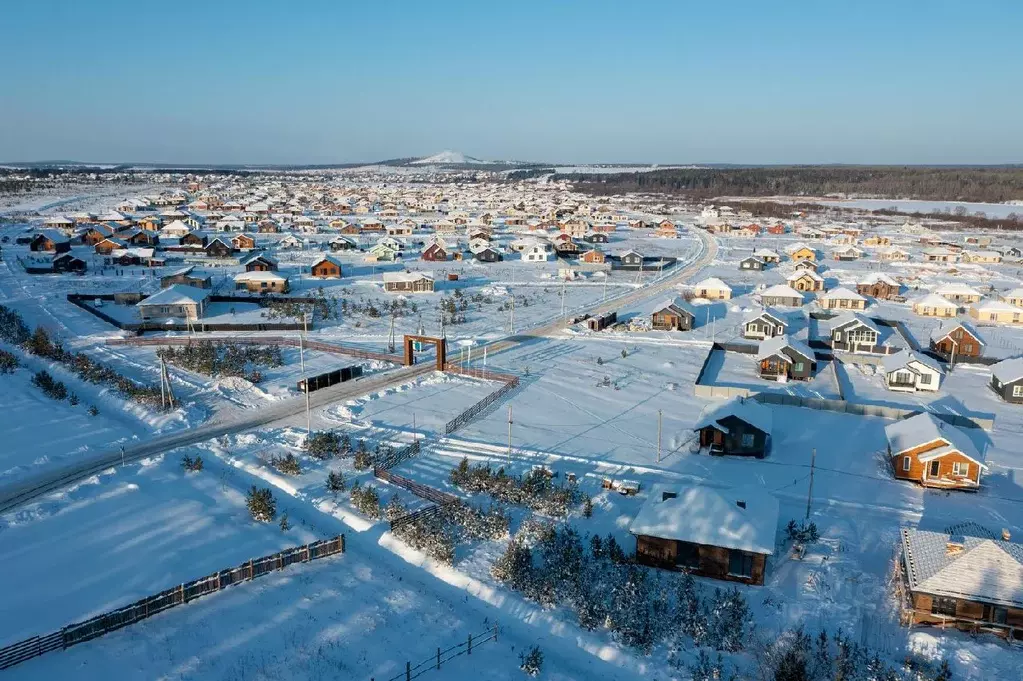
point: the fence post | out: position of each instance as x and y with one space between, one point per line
470 644
438 657
495 631
342 543
408 671
181 590
252 574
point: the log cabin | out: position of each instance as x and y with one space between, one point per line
926 450
878 285
724 534
971 582
326 267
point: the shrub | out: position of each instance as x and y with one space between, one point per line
366 500
284 524
363 460
531 661
8 362
93 410
191 465
286 464
51 387
73 399
323 444
261 504
335 482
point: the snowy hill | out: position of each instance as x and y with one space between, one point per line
448 158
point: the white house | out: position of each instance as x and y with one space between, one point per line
908 371
537 252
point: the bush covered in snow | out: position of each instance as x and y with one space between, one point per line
531 661
191 465
12 327
535 489
286 464
325 444
261 504
437 534
363 460
366 500
803 533
335 482
8 362
51 387
224 359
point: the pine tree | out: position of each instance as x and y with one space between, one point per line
531 661
261 504
92 410
335 482
344 445
596 547
588 508
692 620
944 672
285 525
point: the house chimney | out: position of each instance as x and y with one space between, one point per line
740 503
1006 535
954 545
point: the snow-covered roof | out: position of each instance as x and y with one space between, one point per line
765 253
947 327
180 272
759 312
924 428
774 346
934 300
904 358
747 410
712 283
781 291
406 276
876 277
985 570
711 516
259 276
956 289
841 293
680 304
176 295
1008 370
996 306
849 318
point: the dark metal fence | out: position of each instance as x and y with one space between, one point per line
284 341
395 457
178 595
473 412
434 662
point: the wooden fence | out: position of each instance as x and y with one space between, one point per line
394 458
510 383
178 595
420 490
434 662
283 341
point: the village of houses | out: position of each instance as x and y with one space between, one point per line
706 380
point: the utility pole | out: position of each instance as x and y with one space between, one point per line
809 494
563 300
509 427
658 436
511 317
305 388
390 337
415 436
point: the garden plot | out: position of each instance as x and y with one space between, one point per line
121 535
39 432
736 370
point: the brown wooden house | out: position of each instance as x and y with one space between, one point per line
781 358
259 262
964 578
675 315
878 285
708 531
927 450
435 253
49 241
218 248
956 338
740 427
326 268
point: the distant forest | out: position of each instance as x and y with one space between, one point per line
981 184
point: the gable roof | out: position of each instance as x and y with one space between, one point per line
878 277
711 516
326 258
759 313
746 410
775 346
177 295
712 283
985 570
781 291
848 319
679 306
1008 370
841 293
903 358
934 300
945 329
924 428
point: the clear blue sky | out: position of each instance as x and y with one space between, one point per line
745 81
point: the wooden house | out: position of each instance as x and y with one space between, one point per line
781 295
408 282
878 285
933 305
186 277
261 282
194 240
218 248
65 262
971 581
109 245
805 280
761 324
342 243
95 234
138 237
982 257
893 254
488 254
807 266
259 262
675 315
909 371
782 358
174 302
841 298
327 267
752 263
712 288
712 532
435 253
243 242
1007 379
852 332
49 241
593 257
996 312
925 449
738 427
595 238
954 338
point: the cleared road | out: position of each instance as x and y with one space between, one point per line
31 488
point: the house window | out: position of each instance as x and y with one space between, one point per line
925 379
747 439
903 378
906 463
934 469
967 347
999 615
797 367
943 606
1017 390
688 555
740 564
959 468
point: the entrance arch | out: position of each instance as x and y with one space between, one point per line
440 343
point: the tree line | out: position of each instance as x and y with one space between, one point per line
980 184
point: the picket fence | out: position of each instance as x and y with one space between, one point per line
99 625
